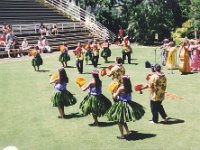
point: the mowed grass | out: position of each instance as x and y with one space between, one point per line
29 122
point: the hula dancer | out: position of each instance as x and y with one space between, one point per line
62 97
171 56
88 54
64 56
124 109
80 57
127 50
106 52
37 59
95 53
117 71
95 102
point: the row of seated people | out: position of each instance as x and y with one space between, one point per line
45 30
9 42
19 50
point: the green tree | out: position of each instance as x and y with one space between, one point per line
148 18
195 13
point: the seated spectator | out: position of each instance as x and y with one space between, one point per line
43 45
25 46
54 29
2 38
42 29
47 31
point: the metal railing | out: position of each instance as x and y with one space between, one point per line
33 28
86 18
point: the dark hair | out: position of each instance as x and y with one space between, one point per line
119 60
98 82
157 67
65 44
63 75
127 85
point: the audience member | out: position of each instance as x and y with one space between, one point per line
54 29
42 29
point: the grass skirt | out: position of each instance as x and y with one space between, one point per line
125 111
64 57
64 98
97 105
106 52
37 61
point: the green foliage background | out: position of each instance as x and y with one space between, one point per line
142 19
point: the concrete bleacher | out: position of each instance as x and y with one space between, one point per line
25 17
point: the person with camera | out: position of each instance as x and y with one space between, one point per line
157 86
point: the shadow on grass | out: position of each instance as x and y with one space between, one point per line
172 121
135 135
74 115
188 73
86 73
134 63
110 62
131 63
134 59
70 67
44 71
103 67
104 124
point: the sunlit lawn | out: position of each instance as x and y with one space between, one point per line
29 122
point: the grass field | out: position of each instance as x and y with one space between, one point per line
29 122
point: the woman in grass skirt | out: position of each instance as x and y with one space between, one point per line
95 102
62 97
124 109
64 56
37 60
106 52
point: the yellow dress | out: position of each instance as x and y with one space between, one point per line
184 63
171 58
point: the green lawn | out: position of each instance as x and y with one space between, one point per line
29 122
